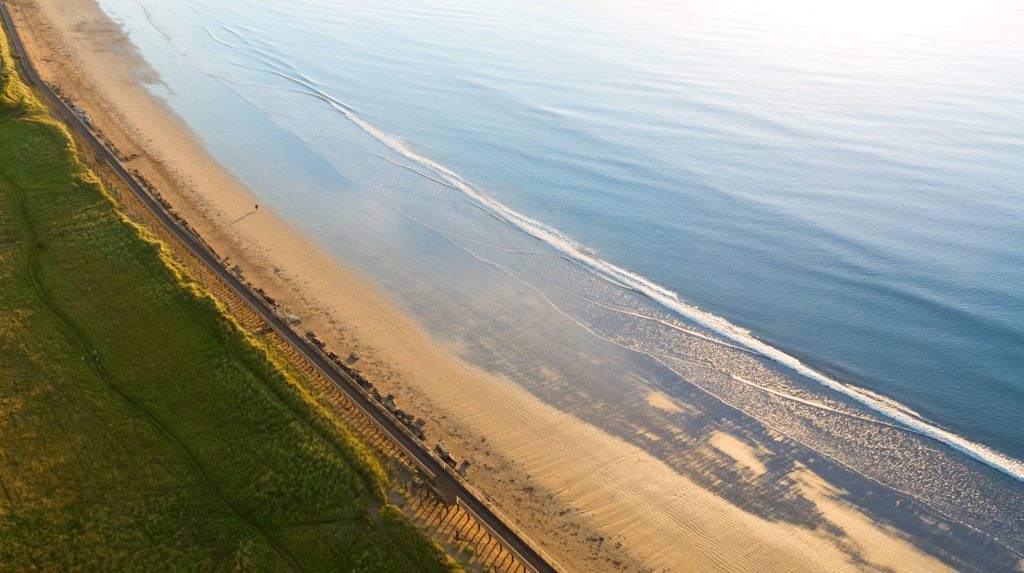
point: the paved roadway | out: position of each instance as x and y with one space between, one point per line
431 468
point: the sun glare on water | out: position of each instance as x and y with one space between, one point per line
872 19
869 17
771 28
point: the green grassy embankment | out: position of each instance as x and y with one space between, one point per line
180 444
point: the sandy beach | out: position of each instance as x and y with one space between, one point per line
594 501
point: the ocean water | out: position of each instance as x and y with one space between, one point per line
811 212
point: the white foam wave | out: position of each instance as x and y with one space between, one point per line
671 300
217 39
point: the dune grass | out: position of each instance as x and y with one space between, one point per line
140 429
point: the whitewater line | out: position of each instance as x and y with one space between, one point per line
665 297
777 393
661 359
670 300
813 404
218 40
733 377
642 316
393 162
657 356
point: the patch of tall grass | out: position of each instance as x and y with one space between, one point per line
140 428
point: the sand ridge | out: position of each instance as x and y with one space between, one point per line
594 501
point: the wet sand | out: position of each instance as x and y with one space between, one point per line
593 500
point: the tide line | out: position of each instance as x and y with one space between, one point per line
663 296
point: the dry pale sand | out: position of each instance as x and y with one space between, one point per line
593 501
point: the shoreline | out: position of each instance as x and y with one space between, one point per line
181 235
164 150
400 356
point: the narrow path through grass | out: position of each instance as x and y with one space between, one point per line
140 428
82 339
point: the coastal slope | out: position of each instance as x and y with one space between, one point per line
680 484
139 426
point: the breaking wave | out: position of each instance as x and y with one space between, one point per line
657 293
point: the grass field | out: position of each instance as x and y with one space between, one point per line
179 444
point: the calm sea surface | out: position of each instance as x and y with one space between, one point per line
844 180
